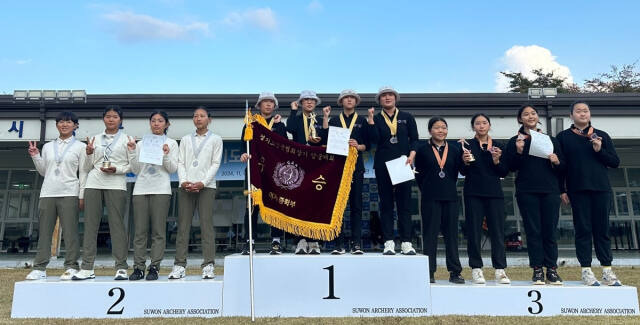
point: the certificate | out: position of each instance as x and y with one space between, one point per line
338 141
541 145
151 151
399 171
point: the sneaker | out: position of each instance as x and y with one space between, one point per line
538 276
406 248
177 272
432 279
356 250
609 278
477 276
207 272
121 274
37 275
553 277
314 248
245 248
84 275
588 278
389 248
68 274
276 249
456 278
137 274
501 277
338 251
152 274
302 247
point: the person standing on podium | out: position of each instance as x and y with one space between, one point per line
589 153
360 128
437 166
305 129
267 104
62 194
483 199
538 195
395 135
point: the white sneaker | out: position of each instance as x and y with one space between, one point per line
83 275
207 272
501 277
68 274
177 272
37 275
314 248
121 274
609 278
389 248
477 276
338 251
588 278
406 248
302 247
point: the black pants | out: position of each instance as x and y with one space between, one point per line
476 209
275 232
591 218
540 213
441 216
401 195
355 206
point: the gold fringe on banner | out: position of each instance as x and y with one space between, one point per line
309 229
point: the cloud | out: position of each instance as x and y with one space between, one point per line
526 58
133 27
315 7
23 61
263 18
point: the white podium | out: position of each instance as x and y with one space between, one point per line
524 299
328 286
104 297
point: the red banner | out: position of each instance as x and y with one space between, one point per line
300 189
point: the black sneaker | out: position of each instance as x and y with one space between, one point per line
432 278
137 274
152 273
538 276
356 250
553 277
245 248
456 278
275 248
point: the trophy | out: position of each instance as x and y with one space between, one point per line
312 127
462 143
106 163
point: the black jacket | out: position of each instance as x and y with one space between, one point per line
431 185
295 126
482 177
407 134
360 132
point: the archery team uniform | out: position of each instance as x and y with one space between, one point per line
587 185
437 177
198 161
151 201
538 197
360 130
483 197
59 165
280 129
392 144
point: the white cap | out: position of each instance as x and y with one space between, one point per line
384 90
348 92
309 94
266 95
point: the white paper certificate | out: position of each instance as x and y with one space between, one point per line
338 141
399 171
151 151
541 145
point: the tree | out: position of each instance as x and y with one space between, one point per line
618 80
519 83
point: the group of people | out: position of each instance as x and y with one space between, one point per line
92 175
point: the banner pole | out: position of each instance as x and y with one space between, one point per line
250 209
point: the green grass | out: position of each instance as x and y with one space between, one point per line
629 276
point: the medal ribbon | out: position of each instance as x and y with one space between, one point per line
107 147
64 152
306 125
353 121
581 133
441 161
196 151
393 125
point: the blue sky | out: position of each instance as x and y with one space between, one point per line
174 46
